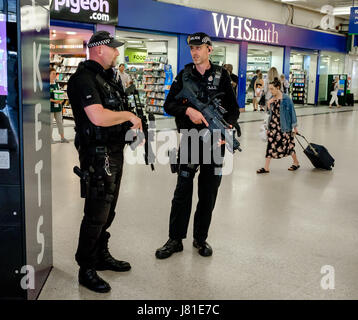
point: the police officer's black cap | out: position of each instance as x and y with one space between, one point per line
103 38
199 38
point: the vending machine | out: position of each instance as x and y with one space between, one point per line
25 154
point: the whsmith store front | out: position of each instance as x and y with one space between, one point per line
148 28
31 41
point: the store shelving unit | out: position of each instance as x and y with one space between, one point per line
65 66
298 87
154 83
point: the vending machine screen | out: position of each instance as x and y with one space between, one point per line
3 56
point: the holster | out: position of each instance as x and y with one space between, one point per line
85 181
173 160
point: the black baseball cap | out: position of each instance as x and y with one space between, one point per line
103 38
199 38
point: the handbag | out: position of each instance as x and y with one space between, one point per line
263 128
262 101
263 133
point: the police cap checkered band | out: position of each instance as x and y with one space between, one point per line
198 39
103 38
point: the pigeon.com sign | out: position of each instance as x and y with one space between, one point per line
90 11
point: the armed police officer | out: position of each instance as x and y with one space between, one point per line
207 80
101 119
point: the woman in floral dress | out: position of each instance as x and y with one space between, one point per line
281 129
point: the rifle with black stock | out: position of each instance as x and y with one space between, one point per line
213 113
148 155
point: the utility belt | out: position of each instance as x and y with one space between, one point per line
92 176
192 162
91 135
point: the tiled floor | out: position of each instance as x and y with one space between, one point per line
271 234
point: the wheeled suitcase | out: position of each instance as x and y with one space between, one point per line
318 155
350 99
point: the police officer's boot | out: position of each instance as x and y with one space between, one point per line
90 279
205 249
107 262
170 247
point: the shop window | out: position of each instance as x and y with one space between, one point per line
150 62
261 57
330 63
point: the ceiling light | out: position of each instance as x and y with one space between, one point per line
71 32
341 10
134 41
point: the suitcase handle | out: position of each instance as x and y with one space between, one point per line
313 149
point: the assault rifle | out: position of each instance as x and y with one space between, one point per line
131 90
213 113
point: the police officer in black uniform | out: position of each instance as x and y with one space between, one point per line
102 120
210 79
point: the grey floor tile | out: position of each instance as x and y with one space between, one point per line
271 234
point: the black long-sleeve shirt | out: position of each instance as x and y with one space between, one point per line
177 108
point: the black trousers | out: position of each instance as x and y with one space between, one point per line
208 185
99 211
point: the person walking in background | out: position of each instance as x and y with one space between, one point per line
56 106
259 87
334 92
282 120
234 77
125 78
252 87
271 75
285 85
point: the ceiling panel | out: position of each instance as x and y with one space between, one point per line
318 4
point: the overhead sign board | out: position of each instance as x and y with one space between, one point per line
89 11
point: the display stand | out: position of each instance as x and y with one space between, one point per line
298 87
154 84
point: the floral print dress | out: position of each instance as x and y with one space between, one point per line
279 144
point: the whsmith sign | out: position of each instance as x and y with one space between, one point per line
90 11
221 26
244 29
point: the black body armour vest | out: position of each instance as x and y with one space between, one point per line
204 89
113 98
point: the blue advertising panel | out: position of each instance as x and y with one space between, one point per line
353 21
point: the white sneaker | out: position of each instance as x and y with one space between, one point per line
64 140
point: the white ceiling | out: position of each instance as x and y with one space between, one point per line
318 4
